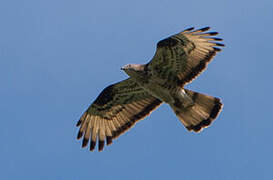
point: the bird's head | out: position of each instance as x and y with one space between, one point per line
133 69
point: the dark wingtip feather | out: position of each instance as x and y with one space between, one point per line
85 142
108 140
92 145
217 39
219 44
189 29
79 135
81 119
204 29
101 145
212 33
217 49
78 123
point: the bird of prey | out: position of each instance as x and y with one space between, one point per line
177 61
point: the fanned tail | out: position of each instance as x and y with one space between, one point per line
201 114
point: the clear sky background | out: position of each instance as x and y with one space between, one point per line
57 55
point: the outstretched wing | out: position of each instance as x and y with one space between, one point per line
115 110
183 56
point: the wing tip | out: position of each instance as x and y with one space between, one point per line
108 140
79 135
201 30
101 145
92 145
85 142
217 49
217 39
205 29
219 44
212 33
188 29
78 123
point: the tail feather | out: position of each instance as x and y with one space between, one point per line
201 114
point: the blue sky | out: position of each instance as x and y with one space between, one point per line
56 57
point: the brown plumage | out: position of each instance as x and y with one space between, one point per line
177 61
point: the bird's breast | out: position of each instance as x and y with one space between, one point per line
159 90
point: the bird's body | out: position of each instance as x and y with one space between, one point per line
158 86
178 60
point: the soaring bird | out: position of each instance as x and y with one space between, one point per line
177 61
